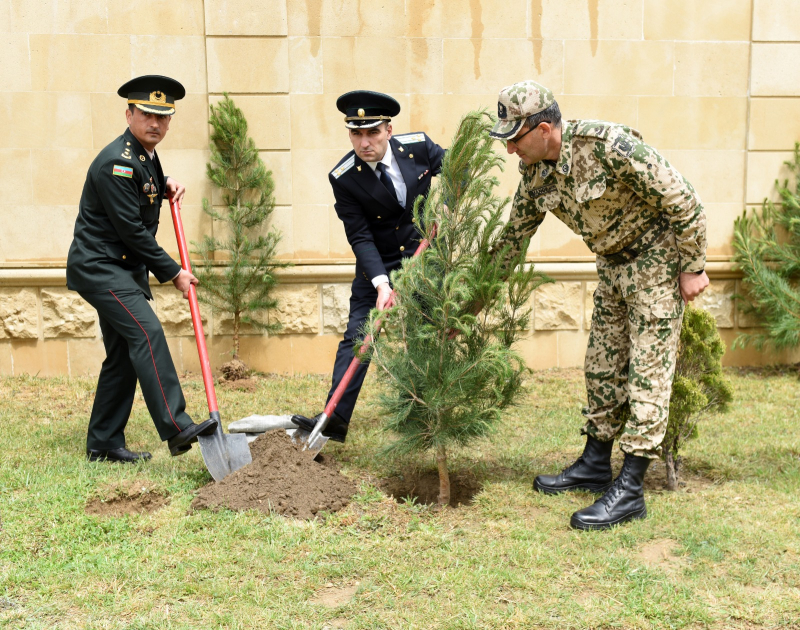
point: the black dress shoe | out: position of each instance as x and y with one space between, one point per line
591 471
121 454
182 442
623 502
336 428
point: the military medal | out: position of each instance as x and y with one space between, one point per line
152 187
146 187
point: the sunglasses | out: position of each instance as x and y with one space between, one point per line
518 138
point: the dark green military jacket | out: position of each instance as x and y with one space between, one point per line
114 244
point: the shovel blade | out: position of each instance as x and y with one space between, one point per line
301 437
224 453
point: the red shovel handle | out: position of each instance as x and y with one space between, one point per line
202 351
351 370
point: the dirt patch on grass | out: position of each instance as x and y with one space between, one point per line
249 385
129 497
333 597
688 481
282 479
423 487
660 554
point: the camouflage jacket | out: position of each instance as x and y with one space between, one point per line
607 186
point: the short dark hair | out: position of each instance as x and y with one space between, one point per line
131 107
552 115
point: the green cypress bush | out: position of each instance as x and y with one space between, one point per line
699 387
448 372
236 273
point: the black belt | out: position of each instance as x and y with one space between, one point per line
641 243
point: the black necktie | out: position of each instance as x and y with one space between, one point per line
387 181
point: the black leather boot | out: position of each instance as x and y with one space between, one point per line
121 454
623 502
181 442
592 471
336 428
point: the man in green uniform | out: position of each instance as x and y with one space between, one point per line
113 249
646 225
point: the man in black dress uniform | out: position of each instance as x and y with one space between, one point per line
113 249
375 186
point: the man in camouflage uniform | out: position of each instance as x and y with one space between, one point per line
646 225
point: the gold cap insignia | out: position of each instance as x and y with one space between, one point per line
361 113
158 97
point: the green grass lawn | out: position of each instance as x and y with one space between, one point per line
724 552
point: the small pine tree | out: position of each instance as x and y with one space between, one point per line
243 288
767 250
699 387
445 390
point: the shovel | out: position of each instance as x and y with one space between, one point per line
222 453
314 440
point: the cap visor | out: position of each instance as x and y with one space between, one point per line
353 124
505 129
157 109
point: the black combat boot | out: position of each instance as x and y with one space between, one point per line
592 471
623 502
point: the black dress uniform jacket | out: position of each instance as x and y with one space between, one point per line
114 242
381 233
379 230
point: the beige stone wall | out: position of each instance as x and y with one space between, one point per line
714 85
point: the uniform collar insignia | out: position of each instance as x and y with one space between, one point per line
565 157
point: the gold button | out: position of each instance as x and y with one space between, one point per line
402 249
397 227
124 257
128 143
379 217
410 155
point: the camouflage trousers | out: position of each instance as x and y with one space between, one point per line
630 360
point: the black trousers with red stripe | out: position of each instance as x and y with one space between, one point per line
136 350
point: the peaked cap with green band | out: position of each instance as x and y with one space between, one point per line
517 102
153 94
363 109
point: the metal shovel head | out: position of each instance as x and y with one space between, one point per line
224 453
301 437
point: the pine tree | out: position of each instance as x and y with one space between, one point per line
699 387
444 390
243 286
767 250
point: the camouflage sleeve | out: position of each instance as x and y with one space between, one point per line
641 168
525 219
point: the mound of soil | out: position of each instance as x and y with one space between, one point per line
423 487
130 497
234 370
282 479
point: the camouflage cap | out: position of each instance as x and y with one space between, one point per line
517 102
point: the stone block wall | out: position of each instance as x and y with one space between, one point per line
714 85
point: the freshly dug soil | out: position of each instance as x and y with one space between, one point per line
234 370
130 497
282 479
424 487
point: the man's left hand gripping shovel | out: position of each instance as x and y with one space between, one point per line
223 453
314 441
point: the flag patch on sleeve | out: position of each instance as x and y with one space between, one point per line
123 171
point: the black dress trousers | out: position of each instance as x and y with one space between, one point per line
136 349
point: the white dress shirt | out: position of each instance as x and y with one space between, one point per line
393 171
